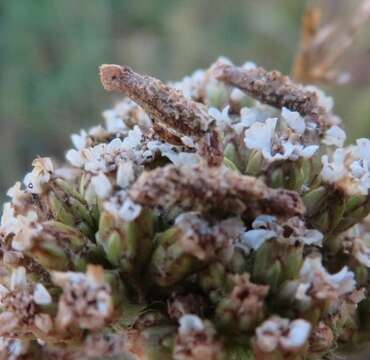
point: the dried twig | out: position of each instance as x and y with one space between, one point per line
274 89
167 107
321 48
213 189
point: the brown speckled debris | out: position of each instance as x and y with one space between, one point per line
274 89
168 108
208 189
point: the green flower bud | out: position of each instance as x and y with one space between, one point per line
254 165
228 163
60 213
276 179
274 275
314 199
231 154
170 263
127 245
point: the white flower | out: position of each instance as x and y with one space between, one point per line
299 331
363 255
40 175
259 135
249 65
25 228
313 237
294 120
222 118
75 158
112 148
172 153
125 174
357 244
129 210
249 116
266 227
190 323
113 121
133 139
191 86
8 219
254 239
188 141
276 333
16 193
334 136
18 279
308 151
40 295
79 140
102 185
237 95
362 150
13 349
335 170
323 285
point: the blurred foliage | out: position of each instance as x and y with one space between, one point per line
50 51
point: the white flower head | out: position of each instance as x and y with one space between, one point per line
25 228
133 139
277 333
255 238
294 120
249 116
34 181
335 170
16 193
129 210
259 135
318 283
362 149
334 136
41 295
237 95
101 185
222 118
125 174
113 121
18 279
191 86
266 227
75 158
79 140
190 323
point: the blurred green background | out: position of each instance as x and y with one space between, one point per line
50 51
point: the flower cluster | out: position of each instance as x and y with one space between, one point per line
218 217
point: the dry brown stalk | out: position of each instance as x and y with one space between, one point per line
213 189
322 47
168 108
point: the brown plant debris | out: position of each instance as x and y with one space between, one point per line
274 89
168 108
323 46
212 189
